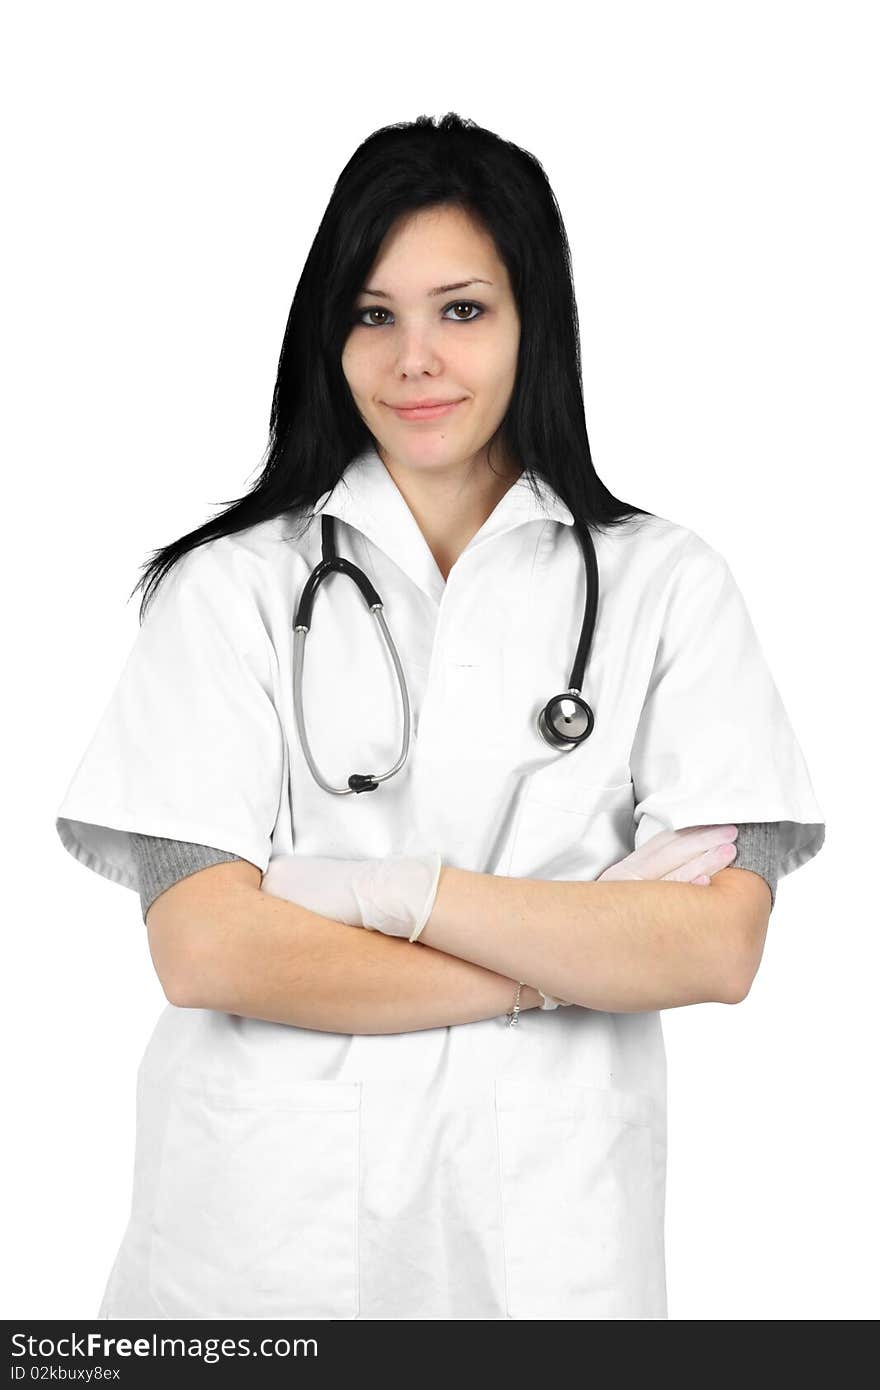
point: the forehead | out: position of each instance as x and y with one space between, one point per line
433 247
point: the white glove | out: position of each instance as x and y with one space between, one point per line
551 1002
320 884
395 895
691 855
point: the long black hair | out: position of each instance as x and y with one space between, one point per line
315 429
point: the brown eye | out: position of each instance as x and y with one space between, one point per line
371 309
466 304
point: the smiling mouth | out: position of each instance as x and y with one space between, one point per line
424 412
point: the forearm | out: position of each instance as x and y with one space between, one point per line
617 946
272 959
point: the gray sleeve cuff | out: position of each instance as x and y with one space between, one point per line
160 863
757 848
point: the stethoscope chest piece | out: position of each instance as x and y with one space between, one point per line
566 720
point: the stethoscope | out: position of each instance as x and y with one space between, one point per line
564 722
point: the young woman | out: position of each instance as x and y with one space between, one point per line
502 781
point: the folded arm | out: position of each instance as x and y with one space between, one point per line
619 946
219 942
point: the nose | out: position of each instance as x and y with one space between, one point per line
417 352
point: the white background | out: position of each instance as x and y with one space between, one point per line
166 167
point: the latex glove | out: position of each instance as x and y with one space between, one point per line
395 895
690 855
551 1002
322 885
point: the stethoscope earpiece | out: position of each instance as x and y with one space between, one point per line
566 720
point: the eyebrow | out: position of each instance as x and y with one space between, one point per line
440 289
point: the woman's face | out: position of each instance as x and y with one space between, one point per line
436 321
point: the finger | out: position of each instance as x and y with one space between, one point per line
673 849
708 863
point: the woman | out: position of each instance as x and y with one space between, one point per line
341 1123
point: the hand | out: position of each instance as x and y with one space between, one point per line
691 855
394 895
320 884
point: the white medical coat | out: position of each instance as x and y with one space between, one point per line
475 1171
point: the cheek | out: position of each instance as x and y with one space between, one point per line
493 383
491 364
356 366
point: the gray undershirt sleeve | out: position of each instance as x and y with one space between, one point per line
757 848
160 862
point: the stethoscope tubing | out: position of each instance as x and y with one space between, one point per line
569 706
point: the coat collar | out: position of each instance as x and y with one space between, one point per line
368 498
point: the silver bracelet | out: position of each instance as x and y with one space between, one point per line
513 1015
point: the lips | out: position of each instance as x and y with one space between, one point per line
430 410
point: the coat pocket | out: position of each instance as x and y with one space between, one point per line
256 1205
582 1201
568 831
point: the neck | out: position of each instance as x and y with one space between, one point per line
451 503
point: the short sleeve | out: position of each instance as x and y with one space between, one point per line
714 744
190 745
